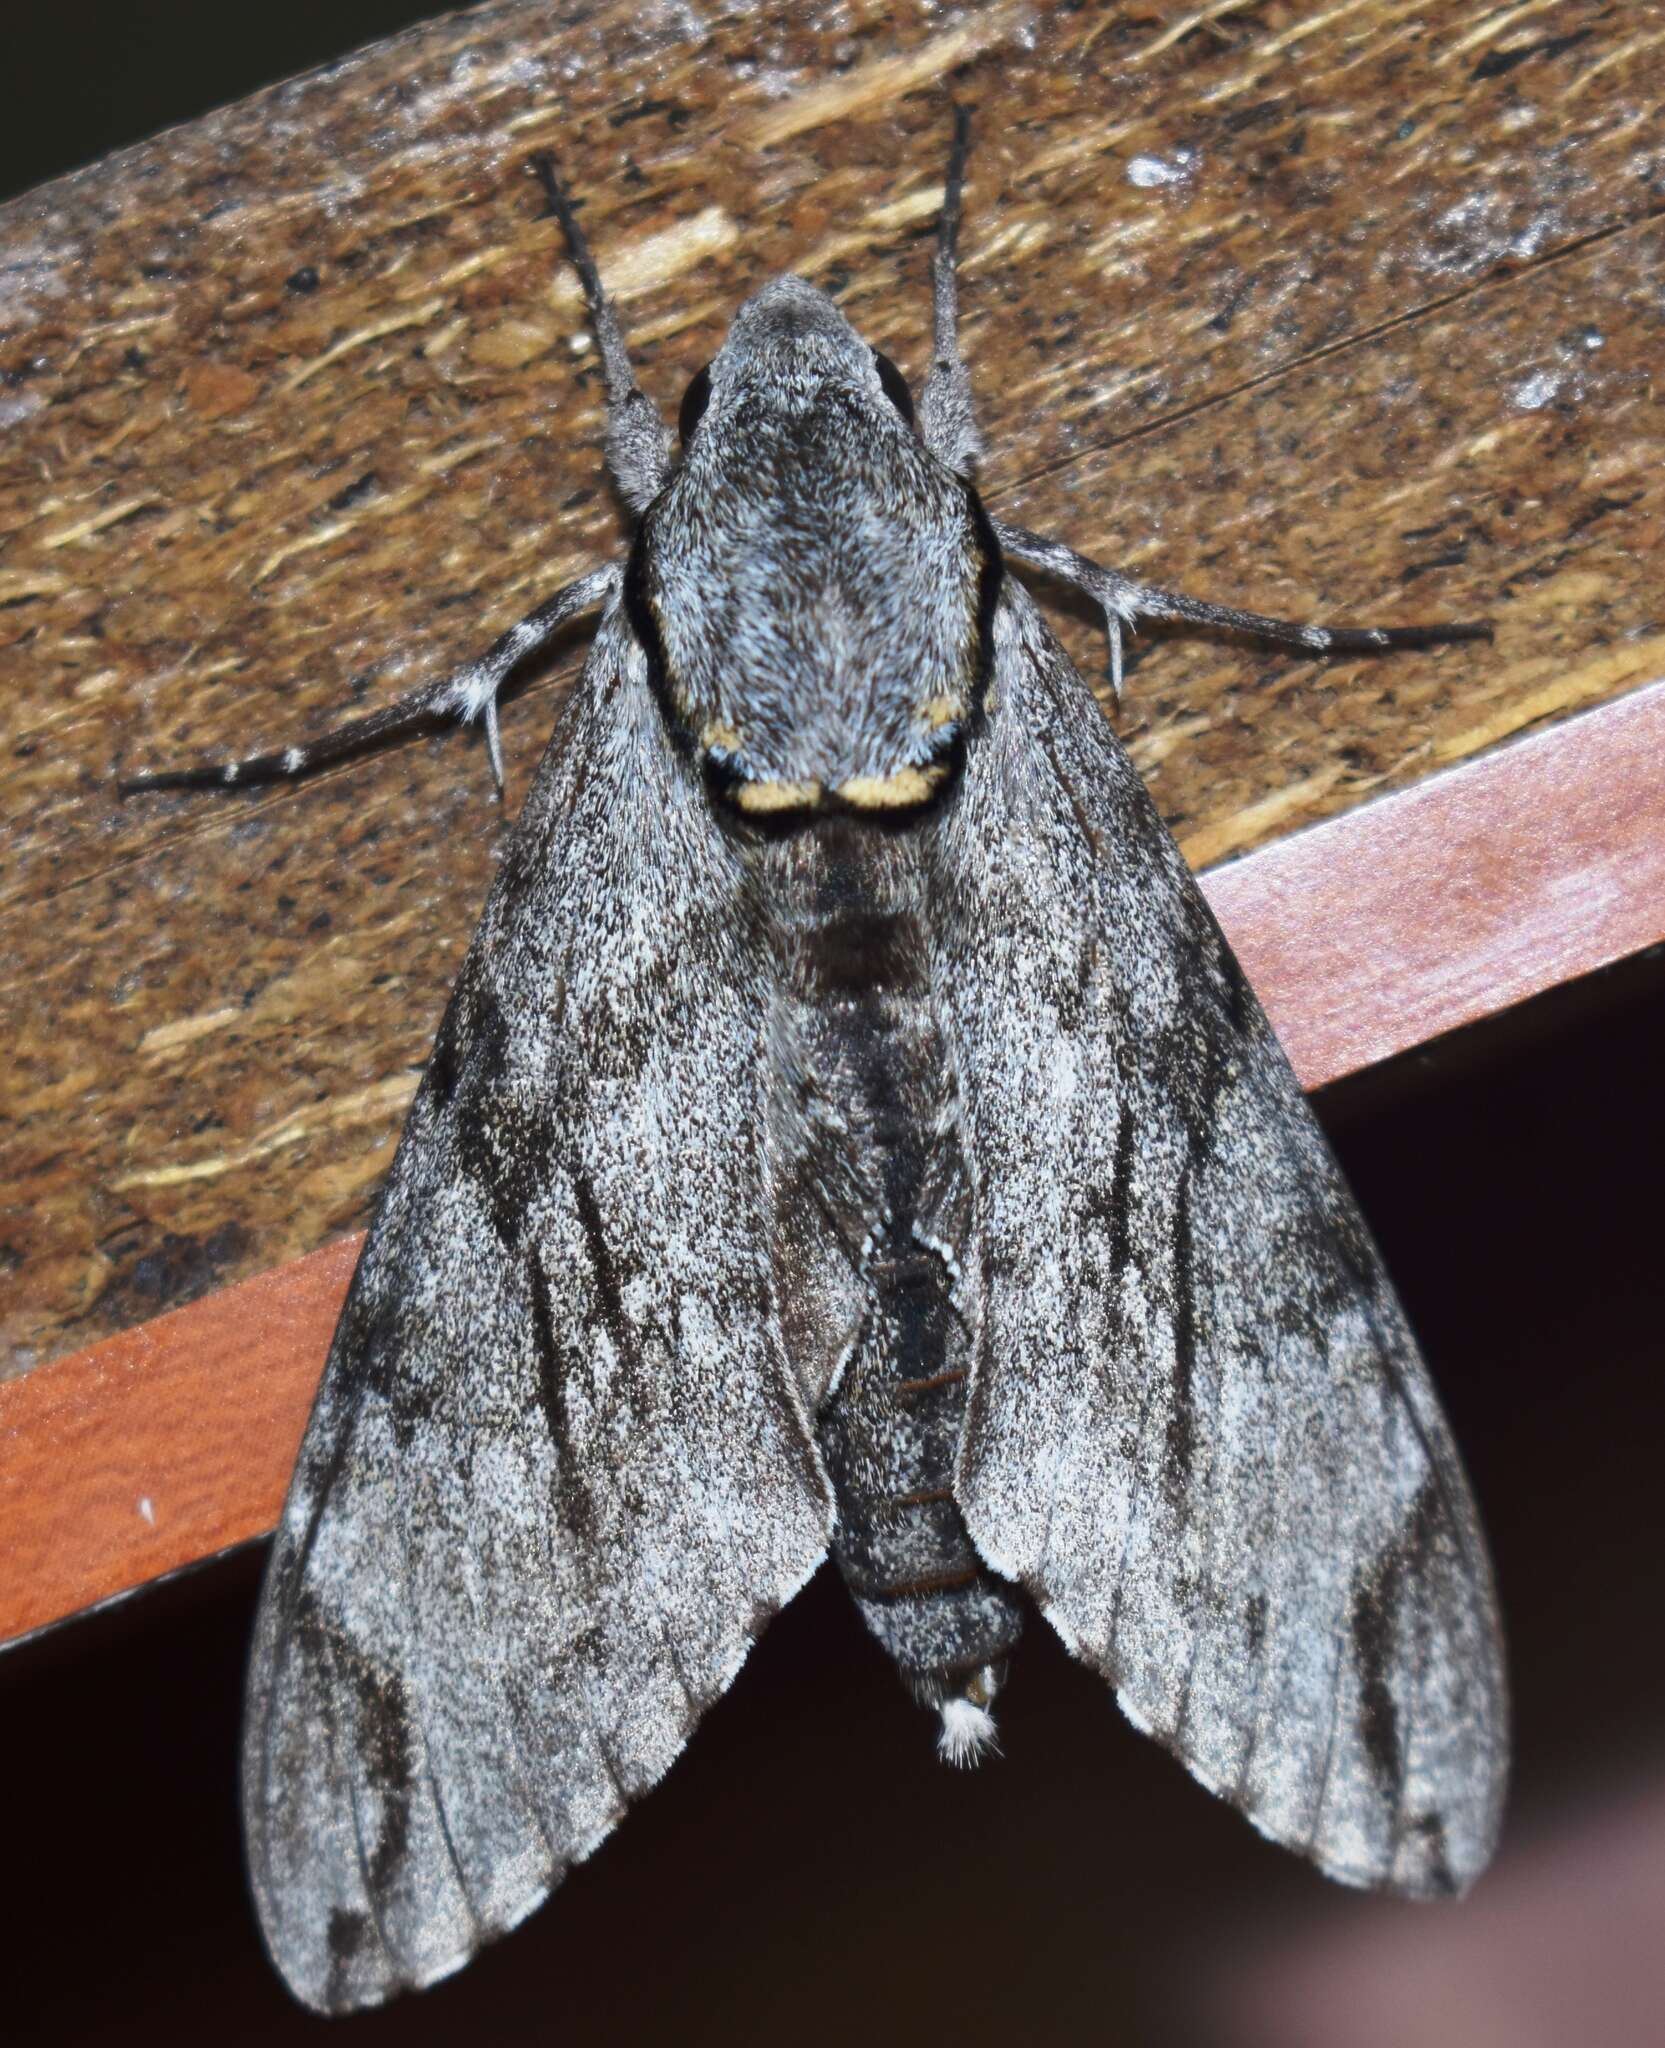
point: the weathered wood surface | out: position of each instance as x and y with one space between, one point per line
173 1440
1457 898
1352 309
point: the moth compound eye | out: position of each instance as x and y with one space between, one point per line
896 386
694 401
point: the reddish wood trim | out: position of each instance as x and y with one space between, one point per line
162 1445
1459 897
1364 936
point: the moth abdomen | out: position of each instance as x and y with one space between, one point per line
874 1190
889 1443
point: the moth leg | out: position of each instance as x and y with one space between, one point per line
638 443
467 692
946 411
1123 602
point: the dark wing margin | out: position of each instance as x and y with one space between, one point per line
1198 1429
558 1473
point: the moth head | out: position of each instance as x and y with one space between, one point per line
791 351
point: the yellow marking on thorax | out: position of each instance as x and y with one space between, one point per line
722 739
940 711
762 799
896 792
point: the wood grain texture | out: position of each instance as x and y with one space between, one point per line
161 1446
1453 900
1364 936
1351 309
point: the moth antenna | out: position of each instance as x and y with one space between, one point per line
945 262
947 413
466 693
1123 601
638 445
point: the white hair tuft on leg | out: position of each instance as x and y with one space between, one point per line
967 1733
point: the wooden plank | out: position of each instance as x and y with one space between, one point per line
1348 308
161 1446
1456 899
1364 936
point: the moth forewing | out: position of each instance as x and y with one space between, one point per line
559 1471
1285 1580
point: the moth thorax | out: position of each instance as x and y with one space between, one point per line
814 594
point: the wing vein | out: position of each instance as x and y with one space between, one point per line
414 1697
1329 1747
351 1774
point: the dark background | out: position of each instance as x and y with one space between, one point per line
84 77
809 1874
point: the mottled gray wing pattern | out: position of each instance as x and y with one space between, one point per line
1198 1429
558 1473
